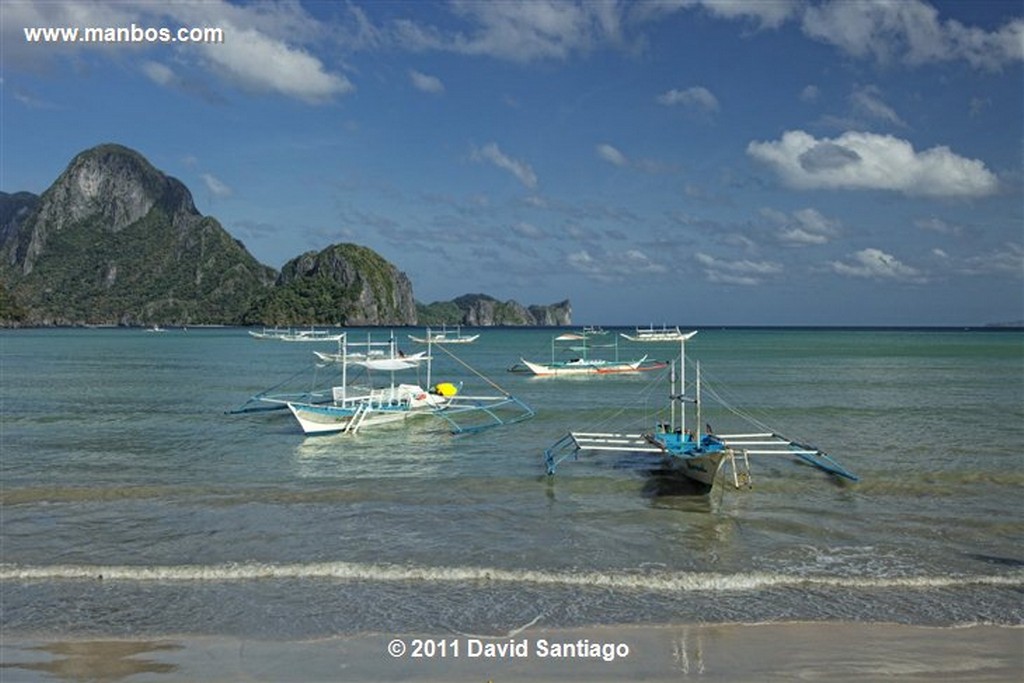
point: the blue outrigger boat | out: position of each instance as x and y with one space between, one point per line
698 458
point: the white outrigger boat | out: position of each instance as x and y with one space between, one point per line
650 334
290 335
353 408
445 337
698 458
584 364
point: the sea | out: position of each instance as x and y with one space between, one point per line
135 503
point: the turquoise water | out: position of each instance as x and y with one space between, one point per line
132 504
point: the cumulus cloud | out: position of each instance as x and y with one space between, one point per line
492 153
866 161
939 225
519 31
805 227
160 74
810 93
612 155
910 31
266 47
528 230
216 187
697 97
867 101
614 267
742 272
260 63
767 13
875 264
430 84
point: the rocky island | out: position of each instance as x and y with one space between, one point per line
115 241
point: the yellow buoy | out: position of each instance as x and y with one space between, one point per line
446 389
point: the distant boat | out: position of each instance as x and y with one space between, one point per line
445 337
289 335
584 364
156 328
697 458
650 334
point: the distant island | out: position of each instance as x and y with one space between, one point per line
113 241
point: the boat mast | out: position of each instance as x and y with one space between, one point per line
682 386
343 346
672 395
429 361
697 403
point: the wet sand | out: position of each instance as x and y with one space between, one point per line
727 652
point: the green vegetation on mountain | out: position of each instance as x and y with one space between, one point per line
344 284
115 241
439 313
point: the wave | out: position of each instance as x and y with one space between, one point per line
346 571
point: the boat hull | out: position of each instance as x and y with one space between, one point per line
328 419
379 406
702 467
586 367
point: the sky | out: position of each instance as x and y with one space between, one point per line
691 162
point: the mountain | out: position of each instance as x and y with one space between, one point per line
345 284
483 310
114 240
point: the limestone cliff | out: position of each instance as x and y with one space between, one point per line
344 284
483 310
114 240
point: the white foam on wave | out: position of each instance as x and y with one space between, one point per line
346 571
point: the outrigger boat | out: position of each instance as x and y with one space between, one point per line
584 364
289 335
665 334
445 337
351 408
698 458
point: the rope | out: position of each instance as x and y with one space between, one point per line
472 369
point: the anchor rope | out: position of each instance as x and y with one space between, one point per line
473 370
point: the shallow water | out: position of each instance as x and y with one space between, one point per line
118 461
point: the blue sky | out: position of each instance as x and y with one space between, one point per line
689 162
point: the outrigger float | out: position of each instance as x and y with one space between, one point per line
697 458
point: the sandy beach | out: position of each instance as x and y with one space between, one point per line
727 652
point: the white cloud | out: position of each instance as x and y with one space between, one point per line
939 225
160 74
527 230
767 13
804 227
867 100
612 155
430 84
866 161
615 266
910 31
216 187
1005 261
264 48
698 97
810 93
743 272
875 264
493 154
519 31
261 63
